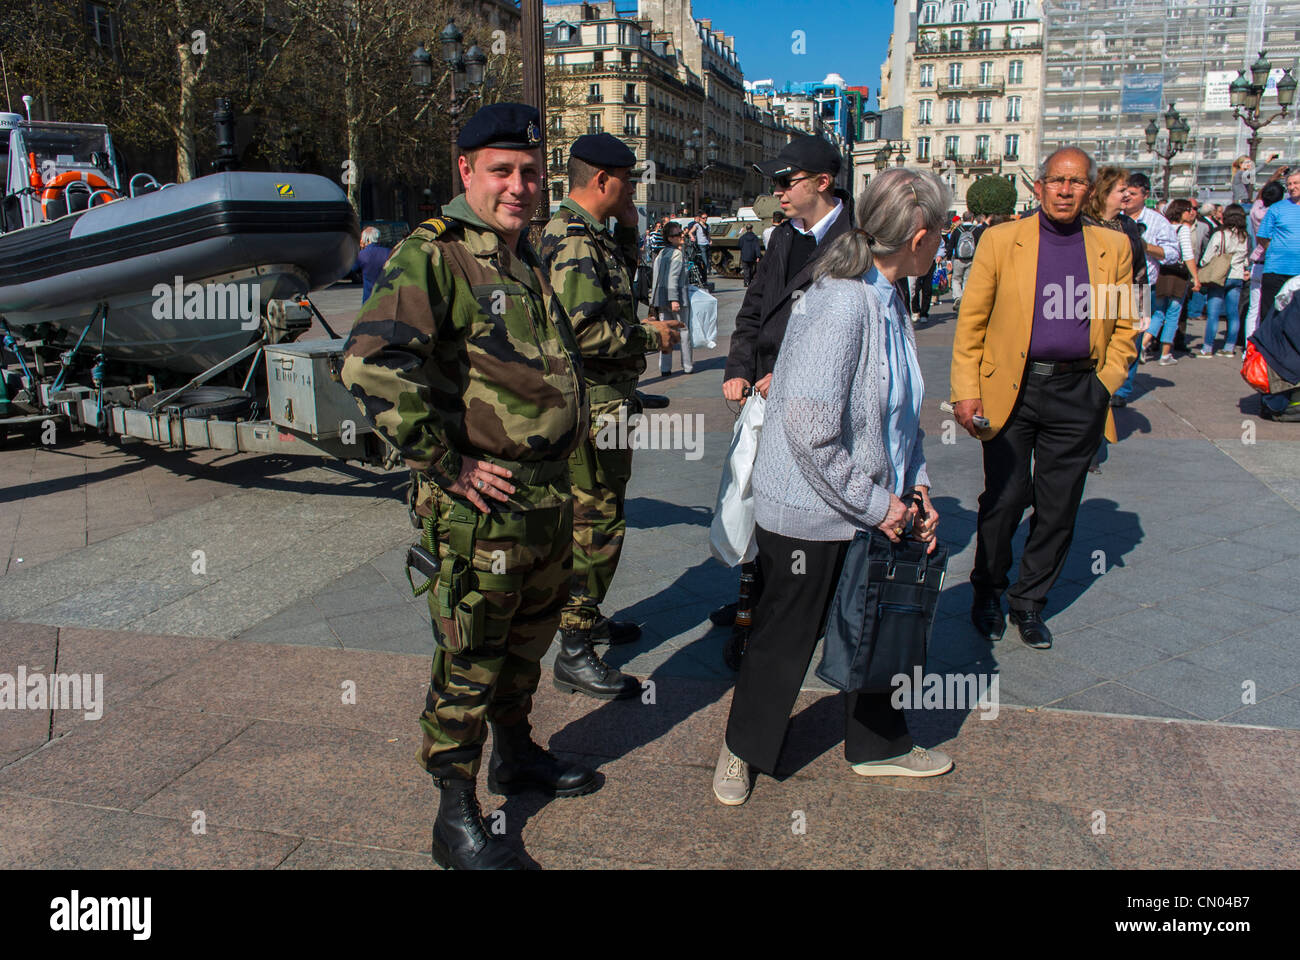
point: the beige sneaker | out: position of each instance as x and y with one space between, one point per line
919 763
731 782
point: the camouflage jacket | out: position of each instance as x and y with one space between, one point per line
591 271
463 348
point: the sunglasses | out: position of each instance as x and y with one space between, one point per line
785 182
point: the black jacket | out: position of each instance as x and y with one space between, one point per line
750 247
760 324
1278 339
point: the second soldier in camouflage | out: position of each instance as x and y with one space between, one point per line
591 270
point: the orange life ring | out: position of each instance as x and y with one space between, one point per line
55 186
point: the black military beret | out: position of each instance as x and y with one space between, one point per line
603 150
509 126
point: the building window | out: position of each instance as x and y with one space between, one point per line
959 13
954 74
1211 147
950 147
595 124
1016 71
982 147
622 33
986 72
1107 74
1018 10
563 32
984 111
986 10
630 127
954 111
1130 149
955 39
983 39
557 191
557 123
593 93
1012 150
557 157
602 34
1102 152
927 75
1105 107
925 111
930 13
101 25
629 93
922 148
1013 109
1067 76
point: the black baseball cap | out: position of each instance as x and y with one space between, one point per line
809 153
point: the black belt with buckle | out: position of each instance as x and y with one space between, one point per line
1051 368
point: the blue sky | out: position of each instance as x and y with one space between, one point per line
848 37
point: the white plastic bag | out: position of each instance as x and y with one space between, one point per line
704 318
731 535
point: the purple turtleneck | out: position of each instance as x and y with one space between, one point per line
1062 319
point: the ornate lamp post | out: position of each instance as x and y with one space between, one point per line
1247 94
698 164
882 157
1177 129
464 71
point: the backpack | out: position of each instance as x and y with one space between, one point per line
966 243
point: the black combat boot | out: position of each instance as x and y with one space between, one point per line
517 763
613 632
461 840
579 670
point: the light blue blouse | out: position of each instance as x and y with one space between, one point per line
906 386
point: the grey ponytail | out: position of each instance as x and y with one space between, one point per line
894 206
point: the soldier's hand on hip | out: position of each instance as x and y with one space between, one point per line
734 389
479 479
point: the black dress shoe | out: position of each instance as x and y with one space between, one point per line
986 614
652 401
461 840
725 615
517 763
1032 628
614 632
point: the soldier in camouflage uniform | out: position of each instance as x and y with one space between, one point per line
465 362
591 270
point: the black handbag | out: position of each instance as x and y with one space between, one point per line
883 610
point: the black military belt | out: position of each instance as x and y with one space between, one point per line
532 471
1052 368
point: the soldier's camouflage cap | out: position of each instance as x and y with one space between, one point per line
508 126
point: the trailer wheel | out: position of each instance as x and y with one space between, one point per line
225 403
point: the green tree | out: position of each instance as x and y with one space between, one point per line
991 195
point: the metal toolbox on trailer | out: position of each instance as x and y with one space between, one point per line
303 392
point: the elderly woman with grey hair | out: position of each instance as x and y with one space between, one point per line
841 446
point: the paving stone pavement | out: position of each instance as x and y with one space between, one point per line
1177 607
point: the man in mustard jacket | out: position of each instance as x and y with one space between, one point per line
1044 337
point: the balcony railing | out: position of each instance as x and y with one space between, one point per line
968 160
991 85
940 47
595 98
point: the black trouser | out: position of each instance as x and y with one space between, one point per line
790 618
747 270
1058 420
921 295
1269 285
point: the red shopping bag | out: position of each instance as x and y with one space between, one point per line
1254 368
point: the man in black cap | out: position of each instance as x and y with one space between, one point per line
591 270
464 361
803 177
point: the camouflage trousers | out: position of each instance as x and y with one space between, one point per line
599 480
521 561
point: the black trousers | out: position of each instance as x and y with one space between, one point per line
921 295
790 618
1058 423
747 270
1269 285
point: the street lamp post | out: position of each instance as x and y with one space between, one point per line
1177 129
693 160
1247 94
464 70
